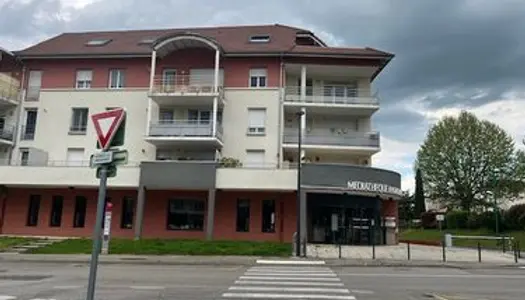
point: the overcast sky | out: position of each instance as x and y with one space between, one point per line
450 54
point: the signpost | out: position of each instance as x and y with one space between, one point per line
107 124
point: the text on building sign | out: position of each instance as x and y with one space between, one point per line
374 187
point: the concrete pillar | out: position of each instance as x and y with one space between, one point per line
303 131
216 77
304 219
303 109
214 116
139 215
210 219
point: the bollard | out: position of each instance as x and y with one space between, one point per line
340 255
444 254
519 249
408 250
504 246
479 252
516 252
373 250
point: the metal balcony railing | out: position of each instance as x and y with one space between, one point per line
7 132
331 94
184 128
189 84
9 87
28 132
354 139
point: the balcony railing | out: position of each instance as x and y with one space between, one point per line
184 128
356 139
7 132
9 87
28 132
331 94
189 84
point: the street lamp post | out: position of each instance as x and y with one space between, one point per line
299 162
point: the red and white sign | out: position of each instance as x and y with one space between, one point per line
106 125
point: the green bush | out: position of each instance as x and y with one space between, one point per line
428 220
515 217
485 220
457 219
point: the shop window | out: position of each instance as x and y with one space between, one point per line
243 215
186 214
126 217
268 216
33 210
57 205
79 217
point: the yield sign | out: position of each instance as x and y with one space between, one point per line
106 125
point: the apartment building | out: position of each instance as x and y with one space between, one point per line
214 117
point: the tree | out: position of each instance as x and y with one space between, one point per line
419 195
465 160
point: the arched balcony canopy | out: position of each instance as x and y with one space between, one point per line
7 52
173 42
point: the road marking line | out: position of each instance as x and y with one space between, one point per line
6 297
290 262
296 283
147 287
67 287
291 271
362 292
432 275
287 278
287 289
289 274
285 296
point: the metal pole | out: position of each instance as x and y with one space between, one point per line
97 232
408 250
479 252
444 251
299 161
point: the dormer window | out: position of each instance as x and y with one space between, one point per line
260 38
98 42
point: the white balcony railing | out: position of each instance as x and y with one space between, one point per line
9 87
185 84
184 128
7 132
331 94
355 139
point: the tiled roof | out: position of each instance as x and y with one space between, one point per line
234 39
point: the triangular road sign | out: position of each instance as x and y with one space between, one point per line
106 125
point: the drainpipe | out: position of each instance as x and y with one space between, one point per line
280 112
19 114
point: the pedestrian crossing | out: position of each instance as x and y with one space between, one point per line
288 282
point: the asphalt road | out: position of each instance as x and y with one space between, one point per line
26 281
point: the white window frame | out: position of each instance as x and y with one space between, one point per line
258 74
121 79
200 119
256 124
255 164
75 163
23 161
84 79
79 126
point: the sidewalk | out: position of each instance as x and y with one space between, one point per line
239 261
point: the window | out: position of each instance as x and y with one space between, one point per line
75 157
117 79
79 216
243 215
34 85
185 214
258 77
79 120
33 210
84 78
256 121
260 38
29 129
199 116
254 159
126 217
57 205
98 42
24 157
268 216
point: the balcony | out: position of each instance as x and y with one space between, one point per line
7 134
9 90
331 98
355 142
189 133
185 90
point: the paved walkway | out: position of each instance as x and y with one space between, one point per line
417 252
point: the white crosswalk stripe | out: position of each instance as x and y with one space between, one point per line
287 281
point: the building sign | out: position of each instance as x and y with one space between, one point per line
372 187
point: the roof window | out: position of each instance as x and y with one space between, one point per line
98 42
147 41
264 38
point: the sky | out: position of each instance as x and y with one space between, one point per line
451 55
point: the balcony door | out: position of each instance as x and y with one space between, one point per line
30 124
169 78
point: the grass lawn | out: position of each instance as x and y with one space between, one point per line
437 236
6 242
173 247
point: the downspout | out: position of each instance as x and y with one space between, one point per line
19 115
281 105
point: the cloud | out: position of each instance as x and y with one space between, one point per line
450 55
